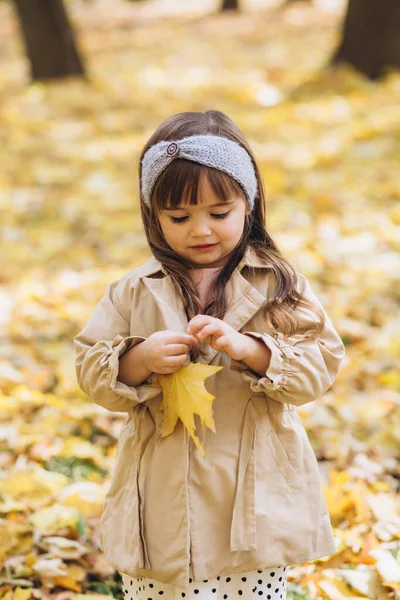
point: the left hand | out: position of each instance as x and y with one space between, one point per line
220 336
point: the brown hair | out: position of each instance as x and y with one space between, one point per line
182 177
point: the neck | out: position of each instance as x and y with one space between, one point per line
219 263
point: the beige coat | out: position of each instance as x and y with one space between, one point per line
255 500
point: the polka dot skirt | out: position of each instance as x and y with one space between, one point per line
265 584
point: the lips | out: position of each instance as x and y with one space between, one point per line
203 245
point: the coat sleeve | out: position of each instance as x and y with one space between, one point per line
301 369
104 338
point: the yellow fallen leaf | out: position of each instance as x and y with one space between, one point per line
18 594
55 517
64 547
184 395
337 494
67 582
387 567
336 589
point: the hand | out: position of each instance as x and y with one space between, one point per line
220 336
167 351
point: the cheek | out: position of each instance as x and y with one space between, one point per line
171 232
166 227
233 227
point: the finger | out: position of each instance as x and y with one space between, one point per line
197 322
174 361
176 349
208 330
184 338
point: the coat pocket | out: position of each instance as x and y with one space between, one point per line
283 463
284 441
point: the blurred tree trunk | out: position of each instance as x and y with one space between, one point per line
49 39
230 5
371 36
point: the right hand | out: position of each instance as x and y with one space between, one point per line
167 351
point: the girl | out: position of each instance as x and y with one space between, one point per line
216 291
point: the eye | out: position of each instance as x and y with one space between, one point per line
221 215
178 220
183 219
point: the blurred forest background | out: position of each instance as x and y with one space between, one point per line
315 87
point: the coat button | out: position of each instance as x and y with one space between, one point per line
172 149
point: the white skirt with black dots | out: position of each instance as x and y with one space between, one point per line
265 584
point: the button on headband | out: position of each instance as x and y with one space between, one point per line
172 149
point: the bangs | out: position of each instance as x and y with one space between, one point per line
181 183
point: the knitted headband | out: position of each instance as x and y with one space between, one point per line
212 150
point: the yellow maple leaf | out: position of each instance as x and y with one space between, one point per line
185 395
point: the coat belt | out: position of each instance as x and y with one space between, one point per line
243 526
145 448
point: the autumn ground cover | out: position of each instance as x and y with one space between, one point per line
328 144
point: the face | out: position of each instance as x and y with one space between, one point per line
192 225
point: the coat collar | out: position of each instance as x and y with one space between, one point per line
244 300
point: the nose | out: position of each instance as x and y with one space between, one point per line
200 229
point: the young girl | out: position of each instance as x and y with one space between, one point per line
216 291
